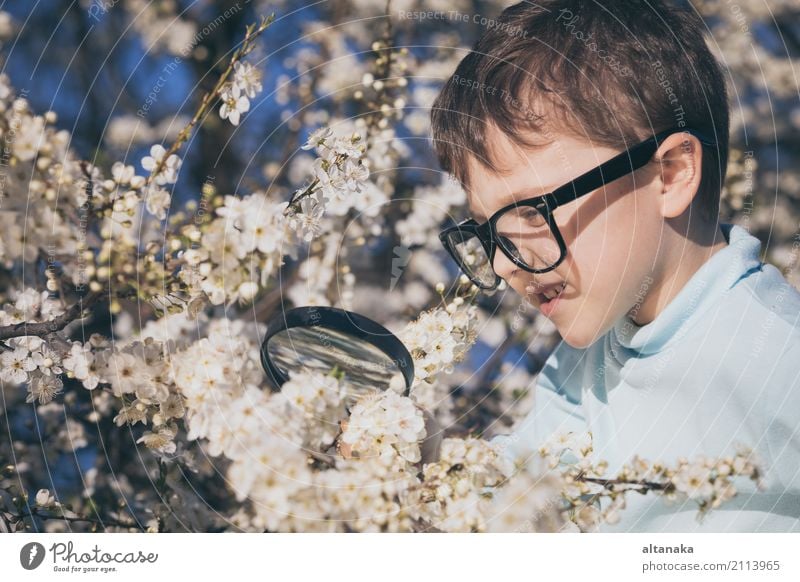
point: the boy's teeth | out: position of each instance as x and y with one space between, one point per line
550 293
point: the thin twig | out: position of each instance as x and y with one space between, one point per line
247 45
36 512
610 483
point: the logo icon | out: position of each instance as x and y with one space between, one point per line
402 256
31 555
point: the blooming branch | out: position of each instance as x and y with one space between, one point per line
45 328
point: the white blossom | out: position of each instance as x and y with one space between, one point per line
233 104
317 138
157 201
15 365
308 221
80 363
44 498
43 389
247 78
169 171
160 440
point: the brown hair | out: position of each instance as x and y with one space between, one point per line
614 72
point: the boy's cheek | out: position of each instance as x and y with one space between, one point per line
605 254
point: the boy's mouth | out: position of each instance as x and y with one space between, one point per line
545 294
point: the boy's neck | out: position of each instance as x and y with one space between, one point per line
665 290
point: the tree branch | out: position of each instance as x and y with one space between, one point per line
37 512
45 328
253 32
610 483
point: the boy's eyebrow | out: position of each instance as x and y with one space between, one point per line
522 194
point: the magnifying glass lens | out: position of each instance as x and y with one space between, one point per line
366 355
321 349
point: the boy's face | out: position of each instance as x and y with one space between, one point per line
612 235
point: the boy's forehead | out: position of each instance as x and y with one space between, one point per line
518 175
523 173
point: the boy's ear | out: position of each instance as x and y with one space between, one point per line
680 156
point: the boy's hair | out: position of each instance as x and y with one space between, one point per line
614 73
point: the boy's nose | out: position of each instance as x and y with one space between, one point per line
503 266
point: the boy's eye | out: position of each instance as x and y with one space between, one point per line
530 215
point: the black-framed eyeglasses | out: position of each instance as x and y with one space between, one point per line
526 230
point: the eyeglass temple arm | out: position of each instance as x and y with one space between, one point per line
614 168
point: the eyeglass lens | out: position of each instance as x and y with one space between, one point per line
525 235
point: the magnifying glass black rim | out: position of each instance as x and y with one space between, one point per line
342 321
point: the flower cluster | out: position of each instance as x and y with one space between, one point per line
163 168
340 176
385 425
707 482
32 362
139 375
236 252
236 95
455 494
440 338
271 438
234 255
29 359
321 400
437 340
41 179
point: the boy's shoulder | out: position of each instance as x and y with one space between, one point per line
775 297
758 322
752 330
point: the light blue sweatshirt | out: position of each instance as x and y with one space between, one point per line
720 365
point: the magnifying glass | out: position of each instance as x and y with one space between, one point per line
322 339
326 339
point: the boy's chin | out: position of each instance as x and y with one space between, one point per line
577 337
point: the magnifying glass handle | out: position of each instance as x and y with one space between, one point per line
432 445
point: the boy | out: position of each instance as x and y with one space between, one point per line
677 340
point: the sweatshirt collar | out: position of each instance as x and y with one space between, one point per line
712 279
